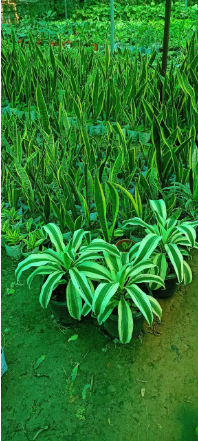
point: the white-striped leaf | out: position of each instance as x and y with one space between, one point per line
141 301
48 269
34 260
114 263
147 278
91 255
140 223
55 236
81 284
189 233
160 269
95 271
187 273
86 309
125 321
156 308
48 287
77 239
133 270
100 245
176 259
106 313
103 294
159 208
74 301
147 246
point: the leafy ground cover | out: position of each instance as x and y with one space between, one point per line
135 389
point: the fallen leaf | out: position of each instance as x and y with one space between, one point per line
39 431
74 372
73 337
142 392
39 361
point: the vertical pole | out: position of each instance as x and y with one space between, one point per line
186 3
65 9
112 26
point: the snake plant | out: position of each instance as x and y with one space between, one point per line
119 276
61 267
176 239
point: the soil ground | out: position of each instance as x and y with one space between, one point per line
144 391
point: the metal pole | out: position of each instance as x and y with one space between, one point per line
112 26
65 9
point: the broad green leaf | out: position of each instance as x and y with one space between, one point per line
189 233
187 273
156 308
147 246
100 245
39 361
102 296
176 259
159 208
34 260
125 321
48 287
141 301
95 271
101 209
48 269
81 284
139 222
74 301
55 236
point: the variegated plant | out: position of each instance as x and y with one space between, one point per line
120 275
61 267
177 238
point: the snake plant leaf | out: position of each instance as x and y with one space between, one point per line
159 208
189 233
101 209
48 269
95 95
74 301
55 236
95 271
48 287
132 200
187 273
81 284
176 259
115 206
125 321
42 110
141 300
34 260
103 294
156 308
146 247
139 222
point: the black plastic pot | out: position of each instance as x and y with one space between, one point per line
111 325
169 291
197 235
61 313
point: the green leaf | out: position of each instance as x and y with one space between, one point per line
159 208
189 233
43 270
187 273
101 209
39 361
74 301
102 296
139 222
115 206
125 321
81 284
75 372
95 271
73 337
48 288
34 260
55 236
176 259
100 245
85 388
146 247
141 301
156 308
42 110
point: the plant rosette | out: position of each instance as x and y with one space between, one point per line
61 266
119 276
176 240
13 243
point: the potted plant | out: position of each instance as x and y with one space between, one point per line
32 242
13 243
60 266
118 296
124 245
177 238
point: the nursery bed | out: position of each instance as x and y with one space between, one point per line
144 391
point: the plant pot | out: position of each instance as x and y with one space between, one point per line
120 243
14 251
28 253
61 313
196 235
169 291
111 325
95 46
4 367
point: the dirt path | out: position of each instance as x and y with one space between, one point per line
144 391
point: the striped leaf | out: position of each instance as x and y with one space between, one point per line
176 259
81 284
148 278
55 236
100 245
160 268
48 287
34 260
147 246
95 271
141 301
155 306
115 206
42 110
125 321
86 309
106 314
77 239
189 233
139 222
48 269
101 209
187 273
103 294
74 301
159 208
